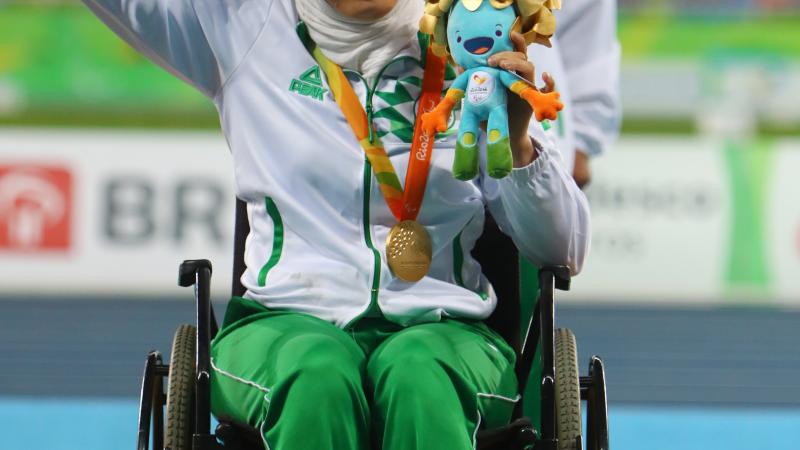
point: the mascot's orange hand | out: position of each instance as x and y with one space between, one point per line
546 106
436 120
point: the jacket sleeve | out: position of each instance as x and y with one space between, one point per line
541 208
200 41
587 39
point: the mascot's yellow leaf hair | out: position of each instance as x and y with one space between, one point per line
535 19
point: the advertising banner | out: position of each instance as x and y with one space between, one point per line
782 212
110 213
694 221
675 220
656 207
61 60
58 62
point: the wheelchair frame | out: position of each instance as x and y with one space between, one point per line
517 435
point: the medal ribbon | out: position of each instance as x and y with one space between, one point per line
404 203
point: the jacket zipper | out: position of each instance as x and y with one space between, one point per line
371 132
367 185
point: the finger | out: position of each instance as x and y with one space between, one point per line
495 59
524 69
519 42
549 83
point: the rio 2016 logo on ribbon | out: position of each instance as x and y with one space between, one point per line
35 207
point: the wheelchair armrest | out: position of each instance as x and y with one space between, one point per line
561 274
188 269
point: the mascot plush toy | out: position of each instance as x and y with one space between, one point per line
470 31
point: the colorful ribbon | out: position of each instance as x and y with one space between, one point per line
404 203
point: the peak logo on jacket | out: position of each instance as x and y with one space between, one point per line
309 84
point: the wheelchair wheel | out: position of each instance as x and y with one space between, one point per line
180 391
568 391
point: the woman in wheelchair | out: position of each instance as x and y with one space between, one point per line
341 342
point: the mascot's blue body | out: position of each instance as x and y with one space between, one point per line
472 37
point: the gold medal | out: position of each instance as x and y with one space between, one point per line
408 251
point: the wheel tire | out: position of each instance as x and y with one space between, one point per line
568 391
180 391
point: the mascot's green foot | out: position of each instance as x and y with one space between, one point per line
465 163
498 158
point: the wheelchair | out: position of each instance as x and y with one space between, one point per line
180 417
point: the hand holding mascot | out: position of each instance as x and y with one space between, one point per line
471 31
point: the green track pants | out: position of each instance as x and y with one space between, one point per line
306 384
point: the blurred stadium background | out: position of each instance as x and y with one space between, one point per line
692 292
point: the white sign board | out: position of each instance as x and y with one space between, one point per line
112 213
675 220
659 222
783 221
694 221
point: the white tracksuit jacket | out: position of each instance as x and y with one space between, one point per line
317 217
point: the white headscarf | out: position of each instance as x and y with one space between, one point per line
365 46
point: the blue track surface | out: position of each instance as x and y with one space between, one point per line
103 424
726 357
678 378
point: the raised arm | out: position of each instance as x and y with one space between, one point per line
167 32
200 41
